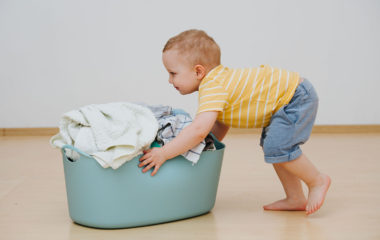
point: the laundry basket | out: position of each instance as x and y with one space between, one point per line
107 198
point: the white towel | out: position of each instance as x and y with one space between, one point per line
112 133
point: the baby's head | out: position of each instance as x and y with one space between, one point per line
188 57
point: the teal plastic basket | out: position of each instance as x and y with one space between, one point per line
107 198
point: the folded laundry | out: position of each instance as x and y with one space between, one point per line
112 133
171 122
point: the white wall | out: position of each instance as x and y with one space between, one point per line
56 56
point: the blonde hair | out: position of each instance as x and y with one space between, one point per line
198 47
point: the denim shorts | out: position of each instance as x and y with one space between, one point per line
290 126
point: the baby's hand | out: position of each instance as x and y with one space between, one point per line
153 157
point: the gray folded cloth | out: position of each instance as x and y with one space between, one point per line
170 124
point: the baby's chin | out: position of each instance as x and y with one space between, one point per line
185 93
181 92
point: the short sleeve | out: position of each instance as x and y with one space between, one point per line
212 97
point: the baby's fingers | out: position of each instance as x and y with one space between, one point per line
155 169
144 161
148 167
147 151
145 156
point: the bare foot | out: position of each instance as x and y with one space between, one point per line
287 205
317 194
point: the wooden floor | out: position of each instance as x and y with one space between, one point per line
33 201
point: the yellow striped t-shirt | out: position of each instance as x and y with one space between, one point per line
247 97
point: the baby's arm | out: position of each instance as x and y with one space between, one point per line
188 138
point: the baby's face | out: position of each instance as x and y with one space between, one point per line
181 74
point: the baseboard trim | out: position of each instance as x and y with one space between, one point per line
317 129
28 131
375 128
332 129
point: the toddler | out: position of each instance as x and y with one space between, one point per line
277 100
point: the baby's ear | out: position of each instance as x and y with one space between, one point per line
200 70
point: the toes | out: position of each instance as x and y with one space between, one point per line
308 210
312 208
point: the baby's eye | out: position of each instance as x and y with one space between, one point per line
172 73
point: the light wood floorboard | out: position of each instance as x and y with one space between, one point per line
33 201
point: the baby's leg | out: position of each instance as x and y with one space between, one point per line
295 199
318 183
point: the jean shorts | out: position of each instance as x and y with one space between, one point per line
290 126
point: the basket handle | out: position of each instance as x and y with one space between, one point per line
66 146
217 142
